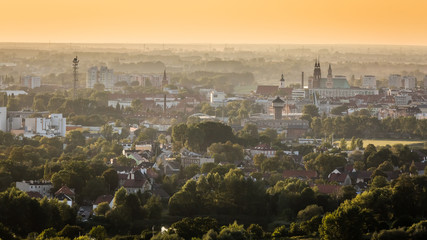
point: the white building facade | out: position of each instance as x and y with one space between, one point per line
369 81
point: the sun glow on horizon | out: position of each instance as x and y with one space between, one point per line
233 21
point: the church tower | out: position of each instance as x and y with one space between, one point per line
317 75
165 79
329 82
282 82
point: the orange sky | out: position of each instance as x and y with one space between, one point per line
401 22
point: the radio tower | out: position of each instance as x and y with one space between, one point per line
75 67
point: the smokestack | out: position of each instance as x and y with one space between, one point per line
164 104
302 80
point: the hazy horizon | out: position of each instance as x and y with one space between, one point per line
361 22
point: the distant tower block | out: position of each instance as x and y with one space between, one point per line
282 82
278 105
75 71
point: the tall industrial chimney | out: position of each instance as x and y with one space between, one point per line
302 80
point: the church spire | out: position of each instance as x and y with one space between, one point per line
165 79
282 82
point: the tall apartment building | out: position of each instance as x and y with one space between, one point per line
369 81
103 75
395 81
30 81
409 82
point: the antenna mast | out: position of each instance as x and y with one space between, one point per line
75 68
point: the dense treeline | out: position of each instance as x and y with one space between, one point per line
369 127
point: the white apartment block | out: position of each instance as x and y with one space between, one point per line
102 75
409 82
30 81
53 126
369 81
395 81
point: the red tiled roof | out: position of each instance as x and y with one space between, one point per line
132 183
33 194
103 198
267 90
299 174
122 176
328 189
420 166
65 190
337 177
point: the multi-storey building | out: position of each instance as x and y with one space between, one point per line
102 75
369 81
409 82
30 81
395 81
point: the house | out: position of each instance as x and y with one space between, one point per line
300 174
198 160
341 178
328 188
103 198
265 149
360 176
65 193
42 187
137 182
159 191
171 167
420 166
33 194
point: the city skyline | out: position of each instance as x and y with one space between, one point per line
234 22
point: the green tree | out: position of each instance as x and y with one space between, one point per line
111 179
98 232
309 212
70 231
102 209
345 223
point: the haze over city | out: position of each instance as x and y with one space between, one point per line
213 120
392 22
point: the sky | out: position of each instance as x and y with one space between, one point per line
391 22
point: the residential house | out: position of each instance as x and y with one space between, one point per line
43 188
137 181
300 174
103 198
65 194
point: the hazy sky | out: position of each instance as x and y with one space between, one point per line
215 21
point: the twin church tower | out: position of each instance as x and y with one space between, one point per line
316 80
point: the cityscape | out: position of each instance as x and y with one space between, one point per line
180 123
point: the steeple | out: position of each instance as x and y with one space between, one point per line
165 79
329 81
282 82
317 74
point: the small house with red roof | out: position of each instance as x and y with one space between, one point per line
103 198
300 174
65 194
